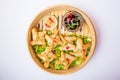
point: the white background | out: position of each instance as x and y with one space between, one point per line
16 62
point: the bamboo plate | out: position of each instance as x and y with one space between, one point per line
60 10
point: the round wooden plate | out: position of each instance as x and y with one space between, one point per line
60 10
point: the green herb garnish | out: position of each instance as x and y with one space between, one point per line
46 42
88 50
58 52
76 62
52 63
41 60
59 66
86 40
72 25
58 46
57 49
49 32
79 36
74 42
73 34
39 49
68 51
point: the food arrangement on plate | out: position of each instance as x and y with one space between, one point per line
61 39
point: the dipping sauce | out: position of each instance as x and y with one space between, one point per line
72 21
50 22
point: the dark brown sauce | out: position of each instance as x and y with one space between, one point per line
72 20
